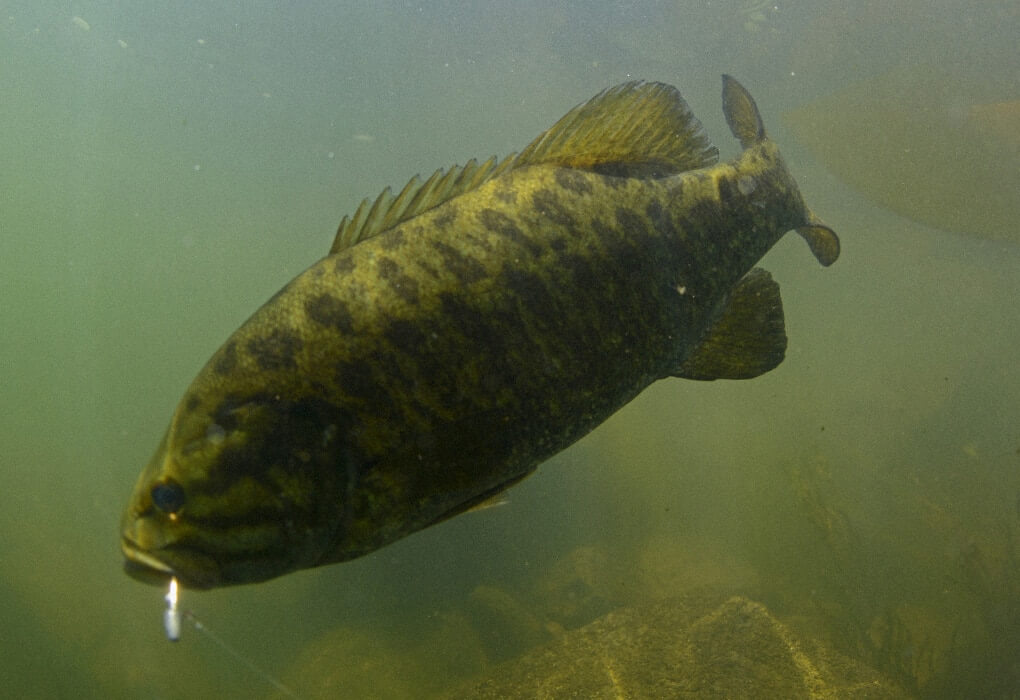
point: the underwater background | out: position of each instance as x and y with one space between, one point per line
168 167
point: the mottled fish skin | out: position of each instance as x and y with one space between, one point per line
410 376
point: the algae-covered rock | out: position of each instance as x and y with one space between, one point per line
505 624
695 646
582 586
666 564
348 662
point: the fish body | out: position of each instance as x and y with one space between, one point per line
465 330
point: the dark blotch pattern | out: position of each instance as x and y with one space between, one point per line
329 311
283 435
573 181
713 239
388 268
465 268
499 223
478 238
645 170
728 191
661 220
275 351
446 217
473 325
531 292
405 336
505 192
429 269
406 287
628 221
343 264
654 211
601 228
226 414
581 270
392 239
227 360
480 335
612 180
355 379
548 204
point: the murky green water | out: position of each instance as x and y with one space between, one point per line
167 168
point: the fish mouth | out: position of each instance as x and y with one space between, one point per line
191 570
144 567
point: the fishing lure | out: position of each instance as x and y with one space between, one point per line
172 615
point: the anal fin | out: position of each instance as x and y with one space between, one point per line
748 339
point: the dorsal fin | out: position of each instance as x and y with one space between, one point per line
635 129
417 197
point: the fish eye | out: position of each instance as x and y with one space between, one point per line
168 496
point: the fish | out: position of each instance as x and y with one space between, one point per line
464 330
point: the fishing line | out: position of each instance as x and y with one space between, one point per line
232 651
172 617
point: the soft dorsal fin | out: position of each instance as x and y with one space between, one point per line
417 197
635 129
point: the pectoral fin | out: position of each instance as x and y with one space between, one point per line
748 339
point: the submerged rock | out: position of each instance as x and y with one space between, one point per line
695 646
931 146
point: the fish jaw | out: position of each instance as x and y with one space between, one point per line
146 565
143 567
151 557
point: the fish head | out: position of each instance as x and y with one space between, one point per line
245 491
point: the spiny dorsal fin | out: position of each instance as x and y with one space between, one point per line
741 112
748 339
417 197
635 129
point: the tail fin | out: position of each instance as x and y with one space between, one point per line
745 122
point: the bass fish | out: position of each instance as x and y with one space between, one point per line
468 328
